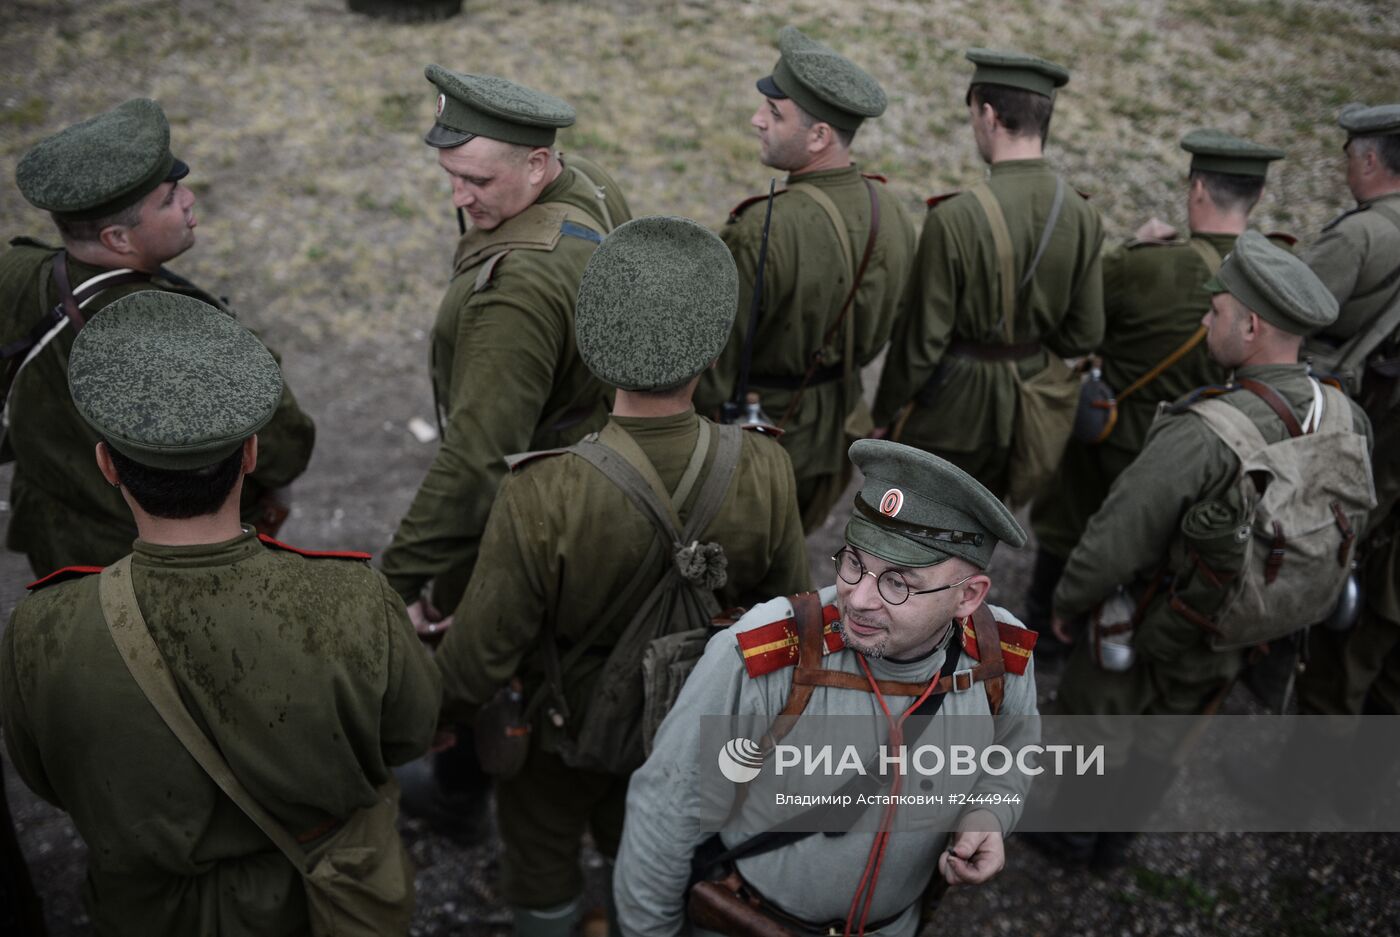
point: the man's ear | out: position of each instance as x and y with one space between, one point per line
250 454
116 238
974 593
539 163
105 464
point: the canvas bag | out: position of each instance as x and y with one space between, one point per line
1305 500
613 735
358 880
1045 401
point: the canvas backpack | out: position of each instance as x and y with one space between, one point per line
1299 507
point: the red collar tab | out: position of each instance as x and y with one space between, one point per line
934 200
63 575
776 645
313 554
751 200
1016 644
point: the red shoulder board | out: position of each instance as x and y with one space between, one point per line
751 200
1016 644
773 646
1282 237
314 554
63 575
883 180
934 200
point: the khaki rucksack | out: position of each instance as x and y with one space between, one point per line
1299 507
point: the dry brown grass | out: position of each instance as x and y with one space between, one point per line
323 214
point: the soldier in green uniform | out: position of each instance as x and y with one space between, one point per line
1357 256
910 579
969 346
301 668
840 247
1153 303
654 310
113 190
1265 300
506 376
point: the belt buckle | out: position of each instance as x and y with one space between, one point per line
966 674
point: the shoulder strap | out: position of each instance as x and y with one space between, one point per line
1234 428
843 317
1276 403
1387 211
1006 255
1208 253
1050 220
833 214
1336 411
148 668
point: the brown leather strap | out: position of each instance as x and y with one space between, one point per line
1161 366
1276 403
991 666
1217 579
1190 614
1348 534
65 292
984 352
807 614
845 307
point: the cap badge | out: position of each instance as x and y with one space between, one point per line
891 502
442 102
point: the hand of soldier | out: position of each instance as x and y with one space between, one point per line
430 623
1155 229
973 856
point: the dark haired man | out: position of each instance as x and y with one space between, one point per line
114 191
1153 347
300 668
1006 283
1357 257
840 248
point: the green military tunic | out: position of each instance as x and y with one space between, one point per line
1153 300
1356 257
1133 536
506 375
62 511
964 408
305 673
805 283
815 878
541 564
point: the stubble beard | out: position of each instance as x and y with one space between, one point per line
874 648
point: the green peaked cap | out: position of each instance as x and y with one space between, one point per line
915 509
101 165
1278 286
1358 120
1017 70
172 382
822 82
486 106
1218 151
656 303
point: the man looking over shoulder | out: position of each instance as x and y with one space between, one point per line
298 671
907 614
113 190
840 247
506 375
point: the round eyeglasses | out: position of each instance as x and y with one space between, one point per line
891 584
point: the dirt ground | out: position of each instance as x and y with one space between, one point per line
325 220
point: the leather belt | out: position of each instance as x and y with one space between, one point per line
832 372
983 352
832 928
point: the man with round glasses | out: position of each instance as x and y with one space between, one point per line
907 615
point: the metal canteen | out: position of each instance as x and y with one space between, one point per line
1113 652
